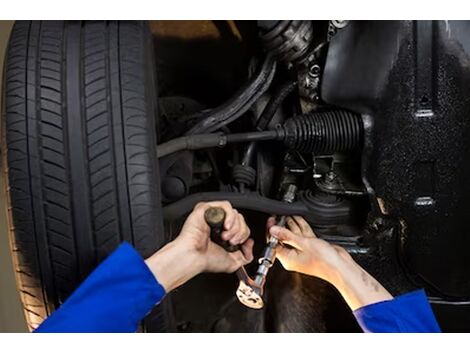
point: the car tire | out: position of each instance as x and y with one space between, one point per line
79 149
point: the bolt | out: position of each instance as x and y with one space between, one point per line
314 70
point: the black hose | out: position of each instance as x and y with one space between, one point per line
267 115
213 120
318 209
273 105
248 201
201 141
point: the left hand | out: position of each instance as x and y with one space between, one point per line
195 236
192 252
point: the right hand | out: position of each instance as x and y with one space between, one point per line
306 253
310 255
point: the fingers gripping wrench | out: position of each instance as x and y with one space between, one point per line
250 291
215 217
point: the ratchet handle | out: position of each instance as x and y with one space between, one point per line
215 218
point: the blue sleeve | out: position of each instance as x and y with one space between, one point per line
407 313
114 298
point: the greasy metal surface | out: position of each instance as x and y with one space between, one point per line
415 86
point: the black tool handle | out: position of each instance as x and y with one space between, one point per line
215 218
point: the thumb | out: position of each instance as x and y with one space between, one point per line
286 236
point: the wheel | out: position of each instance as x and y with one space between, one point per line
79 147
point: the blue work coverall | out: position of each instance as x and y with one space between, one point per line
122 291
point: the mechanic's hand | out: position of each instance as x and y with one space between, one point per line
195 235
192 252
305 253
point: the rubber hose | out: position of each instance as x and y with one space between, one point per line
201 141
254 98
237 105
267 115
247 201
313 208
273 105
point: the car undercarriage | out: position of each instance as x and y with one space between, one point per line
363 124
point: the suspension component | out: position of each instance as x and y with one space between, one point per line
324 132
316 132
244 174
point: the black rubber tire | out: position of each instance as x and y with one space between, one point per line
80 115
